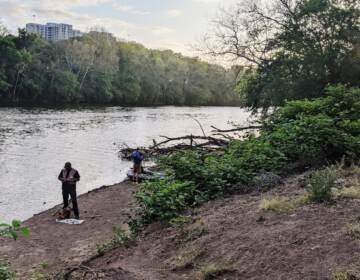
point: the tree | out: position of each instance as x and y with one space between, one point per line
295 47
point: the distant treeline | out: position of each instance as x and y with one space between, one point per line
98 69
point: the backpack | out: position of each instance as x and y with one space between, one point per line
137 156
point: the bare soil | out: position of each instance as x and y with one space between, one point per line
228 238
239 241
61 245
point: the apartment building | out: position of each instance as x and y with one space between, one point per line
53 32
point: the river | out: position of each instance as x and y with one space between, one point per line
35 144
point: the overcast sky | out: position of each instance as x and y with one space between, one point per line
172 24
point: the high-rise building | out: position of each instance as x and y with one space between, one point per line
53 31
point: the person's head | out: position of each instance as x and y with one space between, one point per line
68 165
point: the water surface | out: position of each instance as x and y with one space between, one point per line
35 144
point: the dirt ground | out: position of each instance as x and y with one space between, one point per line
231 239
228 238
61 245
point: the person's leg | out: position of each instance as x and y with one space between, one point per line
74 201
65 194
135 172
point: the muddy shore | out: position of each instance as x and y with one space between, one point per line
56 246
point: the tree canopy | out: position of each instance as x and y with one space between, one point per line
99 69
292 48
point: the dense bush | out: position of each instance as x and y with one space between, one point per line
311 132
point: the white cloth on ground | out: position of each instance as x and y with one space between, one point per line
70 221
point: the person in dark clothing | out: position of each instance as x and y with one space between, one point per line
137 158
69 176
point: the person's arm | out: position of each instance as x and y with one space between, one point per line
77 176
60 177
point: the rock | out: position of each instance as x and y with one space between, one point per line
266 181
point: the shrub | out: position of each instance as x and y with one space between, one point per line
321 183
306 132
13 230
164 199
5 272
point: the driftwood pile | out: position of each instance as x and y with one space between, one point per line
218 139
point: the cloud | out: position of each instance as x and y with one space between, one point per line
128 9
173 13
160 30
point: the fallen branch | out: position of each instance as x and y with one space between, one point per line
236 129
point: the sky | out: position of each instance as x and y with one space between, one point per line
161 24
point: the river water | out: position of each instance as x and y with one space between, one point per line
35 144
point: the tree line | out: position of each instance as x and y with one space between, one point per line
99 69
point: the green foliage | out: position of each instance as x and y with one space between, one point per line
314 131
321 183
5 272
14 229
164 199
120 238
304 47
307 132
98 69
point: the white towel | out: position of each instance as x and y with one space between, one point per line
70 221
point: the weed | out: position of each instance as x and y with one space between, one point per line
350 192
283 204
213 270
321 183
5 272
194 231
120 238
340 275
186 258
354 231
346 274
180 222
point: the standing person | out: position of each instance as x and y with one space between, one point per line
137 158
69 176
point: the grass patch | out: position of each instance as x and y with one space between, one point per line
120 238
181 222
346 274
39 272
185 259
321 183
349 192
213 270
354 231
282 204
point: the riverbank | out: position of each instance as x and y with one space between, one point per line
234 237
55 246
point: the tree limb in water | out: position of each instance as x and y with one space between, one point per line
236 129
